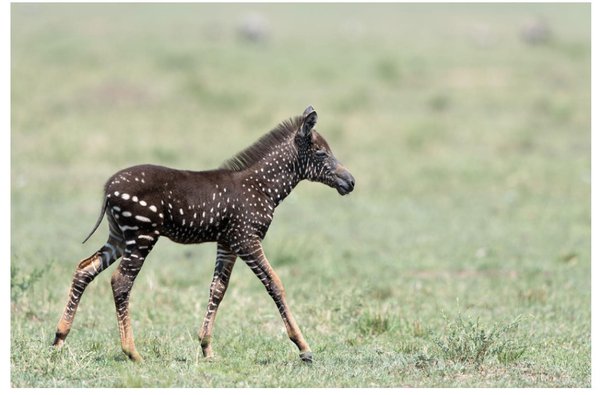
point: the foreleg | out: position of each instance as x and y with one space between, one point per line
255 258
223 268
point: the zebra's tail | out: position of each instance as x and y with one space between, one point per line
102 211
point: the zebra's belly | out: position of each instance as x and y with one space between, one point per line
190 234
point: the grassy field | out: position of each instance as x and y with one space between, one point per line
461 259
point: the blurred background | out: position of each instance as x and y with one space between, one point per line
466 126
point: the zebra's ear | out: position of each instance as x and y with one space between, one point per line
310 120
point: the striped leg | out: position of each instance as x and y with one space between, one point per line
223 267
137 249
86 271
255 258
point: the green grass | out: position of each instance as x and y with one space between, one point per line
462 259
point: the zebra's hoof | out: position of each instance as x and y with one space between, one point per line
135 357
306 357
59 341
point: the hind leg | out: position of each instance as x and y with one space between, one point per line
86 271
138 248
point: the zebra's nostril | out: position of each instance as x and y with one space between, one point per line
348 178
345 182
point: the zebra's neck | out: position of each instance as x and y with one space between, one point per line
276 174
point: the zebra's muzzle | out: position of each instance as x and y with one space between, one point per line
344 182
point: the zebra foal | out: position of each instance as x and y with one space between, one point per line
232 206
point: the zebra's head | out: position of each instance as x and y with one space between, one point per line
317 162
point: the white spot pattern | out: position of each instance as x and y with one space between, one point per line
220 206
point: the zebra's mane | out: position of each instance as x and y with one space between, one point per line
263 146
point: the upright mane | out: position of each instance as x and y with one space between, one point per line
262 147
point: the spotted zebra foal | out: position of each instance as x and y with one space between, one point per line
232 206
